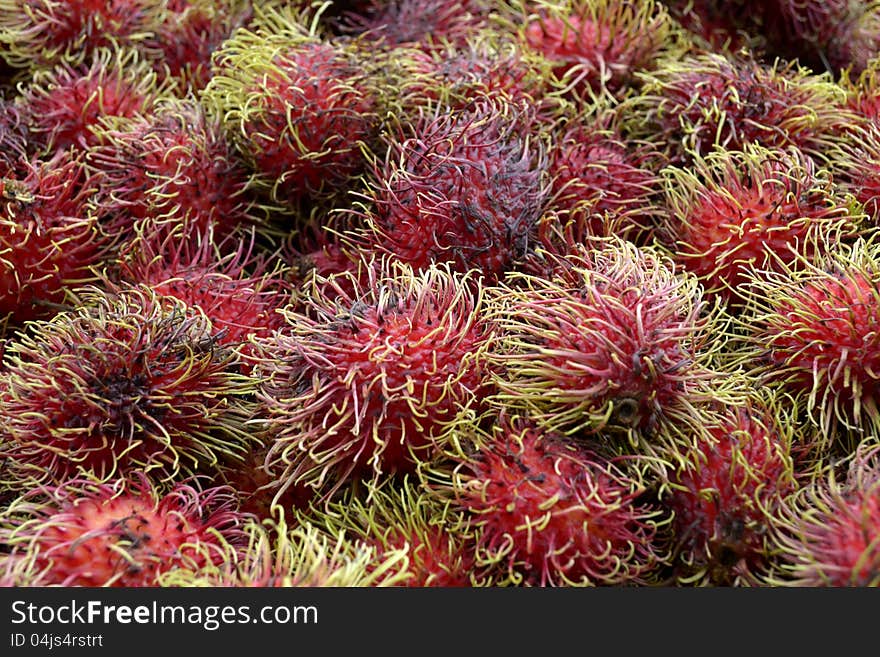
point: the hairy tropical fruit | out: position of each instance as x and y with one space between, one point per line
603 183
725 491
691 105
398 517
50 235
717 25
548 512
301 109
732 213
239 291
13 137
173 166
38 33
856 168
127 381
613 337
189 35
828 532
277 555
358 384
812 330
123 533
863 91
461 186
65 104
426 24
594 45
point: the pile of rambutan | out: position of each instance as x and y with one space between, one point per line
533 293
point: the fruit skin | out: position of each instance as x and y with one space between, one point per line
124 382
64 105
123 533
39 33
612 338
50 234
462 186
725 491
690 105
300 109
811 331
732 213
358 384
547 511
827 534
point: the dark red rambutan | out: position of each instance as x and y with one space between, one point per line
856 168
127 381
189 35
173 166
299 108
425 24
50 237
693 104
863 91
124 533
39 33
611 337
601 182
717 25
548 512
724 493
63 105
828 534
240 291
811 330
463 186
399 518
594 45
735 212
13 137
359 384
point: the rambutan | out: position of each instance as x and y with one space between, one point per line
397 517
828 534
359 383
50 236
63 105
300 108
122 533
691 105
717 25
594 45
811 330
173 166
463 186
725 491
127 381
611 337
40 33
549 512
755 209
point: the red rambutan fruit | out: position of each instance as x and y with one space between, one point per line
691 105
63 105
611 337
732 212
725 492
174 166
717 25
594 45
300 108
398 517
127 381
811 330
863 91
50 237
463 186
358 384
39 33
425 24
828 534
603 183
548 512
123 533
277 555
856 168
